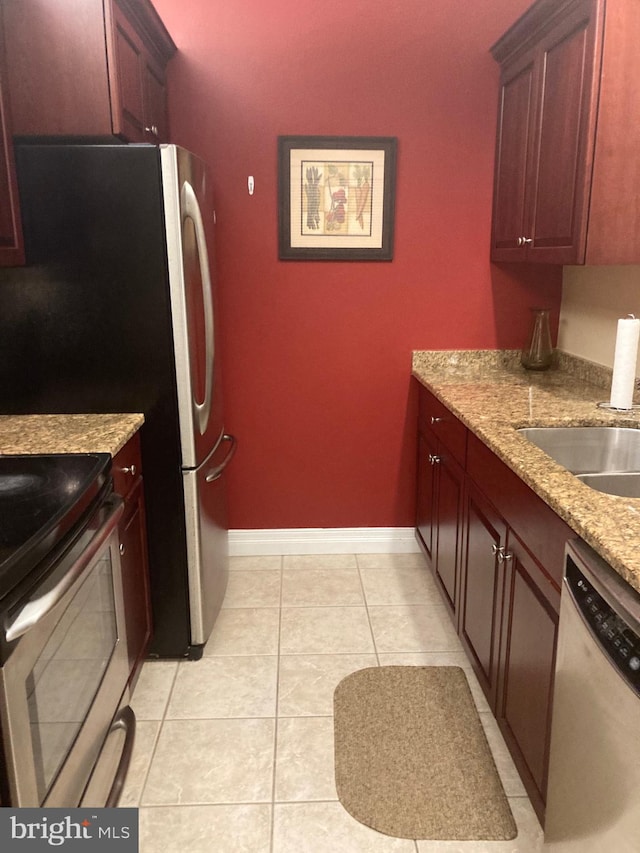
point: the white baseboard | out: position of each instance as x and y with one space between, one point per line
323 540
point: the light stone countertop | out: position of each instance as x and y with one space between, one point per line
31 434
493 396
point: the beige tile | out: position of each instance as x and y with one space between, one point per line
325 630
257 563
392 561
253 589
402 585
509 776
247 631
328 828
440 659
206 829
212 761
225 687
143 746
307 682
413 628
151 693
528 840
319 561
304 759
321 587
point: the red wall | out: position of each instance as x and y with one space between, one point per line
316 356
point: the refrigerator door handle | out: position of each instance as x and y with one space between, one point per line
217 472
191 210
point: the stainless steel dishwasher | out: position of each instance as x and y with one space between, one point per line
593 799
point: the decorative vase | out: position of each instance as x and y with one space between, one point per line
538 353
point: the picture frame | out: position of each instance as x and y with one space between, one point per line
336 197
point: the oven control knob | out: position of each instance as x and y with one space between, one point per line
634 663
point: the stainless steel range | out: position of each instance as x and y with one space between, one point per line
66 727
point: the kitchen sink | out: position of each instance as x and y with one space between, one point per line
624 484
605 458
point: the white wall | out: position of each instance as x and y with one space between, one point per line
593 299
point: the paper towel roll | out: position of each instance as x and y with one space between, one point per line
624 363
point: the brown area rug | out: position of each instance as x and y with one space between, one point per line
412 759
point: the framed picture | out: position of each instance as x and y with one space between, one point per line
336 197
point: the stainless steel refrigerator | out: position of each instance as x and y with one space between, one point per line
116 312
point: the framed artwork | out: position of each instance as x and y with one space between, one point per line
336 197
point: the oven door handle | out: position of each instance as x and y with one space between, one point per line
36 609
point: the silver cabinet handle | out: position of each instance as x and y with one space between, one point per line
217 472
434 460
123 550
494 549
153 129
507 556
527 240
36 609
131 469
436 420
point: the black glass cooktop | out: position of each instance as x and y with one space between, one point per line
42 499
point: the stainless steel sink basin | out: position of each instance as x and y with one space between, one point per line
625 485
605 458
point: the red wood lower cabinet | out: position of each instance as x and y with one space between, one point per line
128 483
473 519
527 663
446 560
482 589
425 501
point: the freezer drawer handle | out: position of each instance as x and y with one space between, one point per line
217 472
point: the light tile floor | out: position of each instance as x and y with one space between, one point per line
234 753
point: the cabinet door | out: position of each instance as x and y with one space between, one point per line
482 589
155 103
515 137
426 494
565 135
126 76
450 481
135 577
529 635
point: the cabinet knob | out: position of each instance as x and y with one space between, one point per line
122 550
436 420
527 240
130 470
433 459
153 129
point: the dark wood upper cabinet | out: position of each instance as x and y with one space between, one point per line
566 174
80 68
11 246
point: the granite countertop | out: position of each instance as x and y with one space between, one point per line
27 434
493 396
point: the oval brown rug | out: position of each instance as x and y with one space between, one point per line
412 759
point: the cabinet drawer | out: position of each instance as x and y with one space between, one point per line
528 515
127 466
435 417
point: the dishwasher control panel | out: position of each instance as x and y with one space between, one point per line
619 642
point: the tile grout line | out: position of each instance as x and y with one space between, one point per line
158 733
366 604
276 715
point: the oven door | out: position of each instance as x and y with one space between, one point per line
67 669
